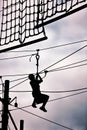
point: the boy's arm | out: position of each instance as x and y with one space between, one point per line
40 79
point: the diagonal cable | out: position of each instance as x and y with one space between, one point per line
63 58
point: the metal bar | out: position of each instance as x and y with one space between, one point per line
22 45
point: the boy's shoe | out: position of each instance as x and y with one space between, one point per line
33 105
43 109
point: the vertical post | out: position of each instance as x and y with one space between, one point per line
5 106
21 124
37 60
2 87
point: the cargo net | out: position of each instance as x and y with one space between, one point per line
50 8
19 18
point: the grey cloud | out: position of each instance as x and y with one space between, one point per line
72 27
79 117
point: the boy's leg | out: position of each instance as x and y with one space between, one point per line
46 97
34 103
45 100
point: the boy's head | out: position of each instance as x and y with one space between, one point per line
31 77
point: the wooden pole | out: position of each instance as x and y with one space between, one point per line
21 124
5 102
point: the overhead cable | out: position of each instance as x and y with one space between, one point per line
67 96
26 74
71 67
54 91
27 106
81 61
62 45
51 47
15 80
18 79
14 75
63 58
52 100
19 83
58 124
16 57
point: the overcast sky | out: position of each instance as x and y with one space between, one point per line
70 111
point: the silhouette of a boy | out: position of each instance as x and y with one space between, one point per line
38 96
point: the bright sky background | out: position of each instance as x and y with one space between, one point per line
70 111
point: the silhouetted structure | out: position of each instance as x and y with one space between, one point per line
5 102
38 96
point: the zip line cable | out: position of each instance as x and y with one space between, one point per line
19 75
44 91
16 75
59 61
58 124
67 68
26 78
53 70
63 58
57 69
17 79
81 61
50 65
19 83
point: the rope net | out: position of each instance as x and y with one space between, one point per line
49 9
19 18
